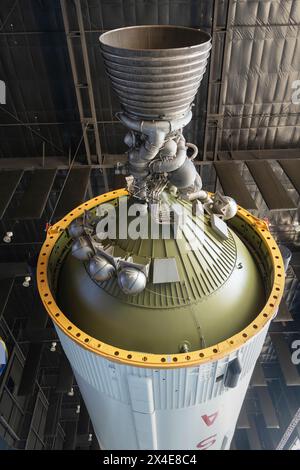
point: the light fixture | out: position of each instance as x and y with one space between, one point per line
26 282
53 346
71 392
8 237
78 409
118 168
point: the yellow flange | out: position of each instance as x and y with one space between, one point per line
123 356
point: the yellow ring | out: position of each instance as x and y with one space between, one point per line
134 358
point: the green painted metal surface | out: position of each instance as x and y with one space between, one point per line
219 293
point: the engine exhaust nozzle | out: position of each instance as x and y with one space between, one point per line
155 70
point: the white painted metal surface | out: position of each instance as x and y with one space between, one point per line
179 408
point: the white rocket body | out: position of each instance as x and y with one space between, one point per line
176 408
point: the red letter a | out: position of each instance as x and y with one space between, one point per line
210 419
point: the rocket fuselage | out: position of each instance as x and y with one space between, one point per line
162 333
181 408
141 400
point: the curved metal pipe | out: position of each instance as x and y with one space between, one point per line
170 164
151 127
156 132
137 166
195 148
184 176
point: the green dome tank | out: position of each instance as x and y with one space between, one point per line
201 290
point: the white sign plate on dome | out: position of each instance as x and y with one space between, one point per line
165 270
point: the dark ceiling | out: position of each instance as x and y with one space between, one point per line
243 112
255 60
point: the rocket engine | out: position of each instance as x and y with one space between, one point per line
161 293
